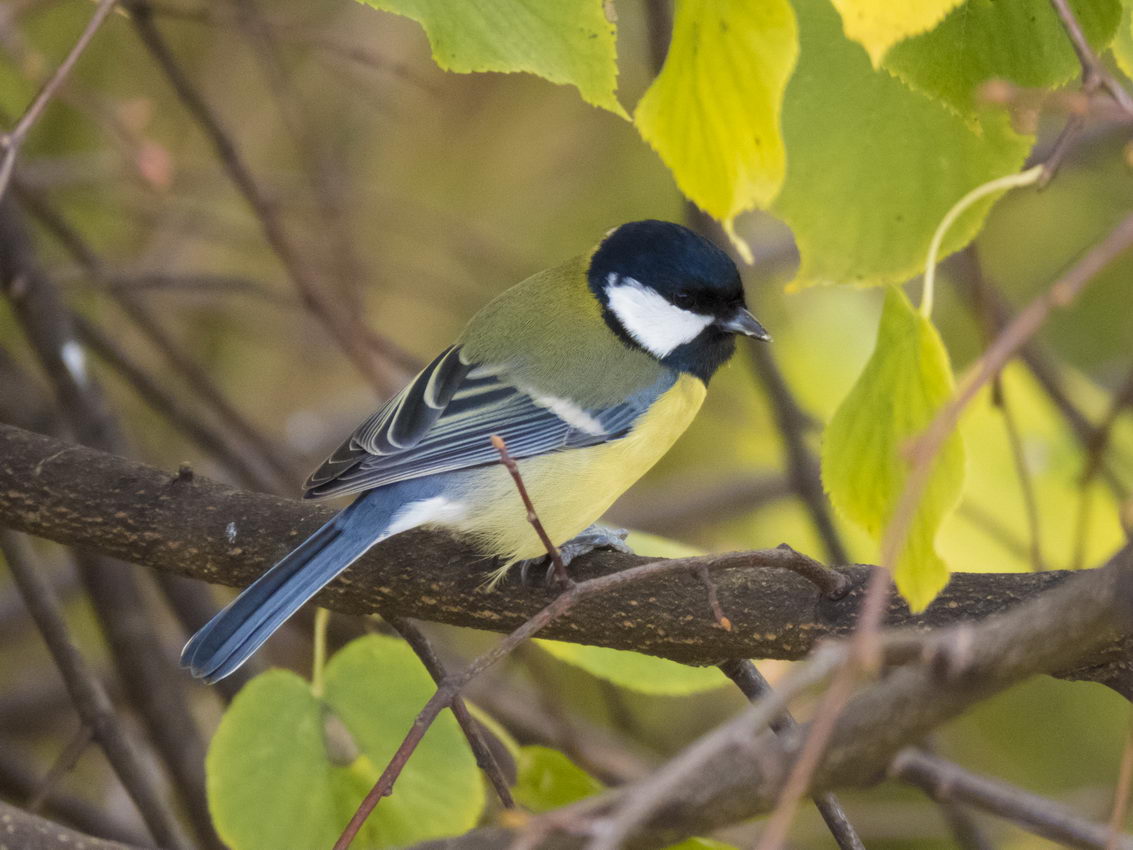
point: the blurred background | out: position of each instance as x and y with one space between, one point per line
410 197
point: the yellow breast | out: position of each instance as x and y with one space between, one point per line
573 488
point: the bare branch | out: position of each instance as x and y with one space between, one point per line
90 698
1092 67
738 771
942 780
11 141
749 680
378 359
473 731
78 496
31 832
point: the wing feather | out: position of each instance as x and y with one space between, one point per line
443 420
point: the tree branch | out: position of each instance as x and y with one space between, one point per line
212 532
738 770
944 781
90 698
32 832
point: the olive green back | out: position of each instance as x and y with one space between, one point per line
549 332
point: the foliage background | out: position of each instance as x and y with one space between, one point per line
419 195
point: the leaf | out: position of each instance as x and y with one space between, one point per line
1123 42
879 24
713 113
1022 41
546 779
549 780
642 673
568 41
873 166
906 381
286 769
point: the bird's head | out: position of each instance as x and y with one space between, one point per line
672 294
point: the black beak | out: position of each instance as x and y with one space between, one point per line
743 322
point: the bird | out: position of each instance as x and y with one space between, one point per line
588 371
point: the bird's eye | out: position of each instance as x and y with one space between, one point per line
683 299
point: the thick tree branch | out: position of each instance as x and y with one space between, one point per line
203 529
32 832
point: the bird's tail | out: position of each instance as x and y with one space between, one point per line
230 638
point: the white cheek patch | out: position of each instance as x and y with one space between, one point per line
655 324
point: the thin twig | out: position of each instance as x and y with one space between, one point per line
830 583
90 698
474 732
647 796
1023 472
1098 441
342 254
1026 324
1121 794
12 140
62 766
281 469
1092 66
991 306
182 415
385 365
19 777
755 687
532 516
608 757
718 614
943 780
818 734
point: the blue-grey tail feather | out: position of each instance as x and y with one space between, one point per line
232 636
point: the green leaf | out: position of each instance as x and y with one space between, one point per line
567 41
1123 43
904 384
713 113
879 24
642 673
286 769
1022 41
546 779
872 166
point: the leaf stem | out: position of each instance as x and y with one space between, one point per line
319 663
1011 181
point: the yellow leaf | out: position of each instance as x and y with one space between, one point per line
879 24
1123 43
713 113
904 384
569 42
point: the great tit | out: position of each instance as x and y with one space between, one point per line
589 371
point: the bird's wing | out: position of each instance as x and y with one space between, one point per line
443 421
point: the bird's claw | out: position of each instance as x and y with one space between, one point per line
594 537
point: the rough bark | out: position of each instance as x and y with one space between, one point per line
209 531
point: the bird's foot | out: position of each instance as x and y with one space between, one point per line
594 537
